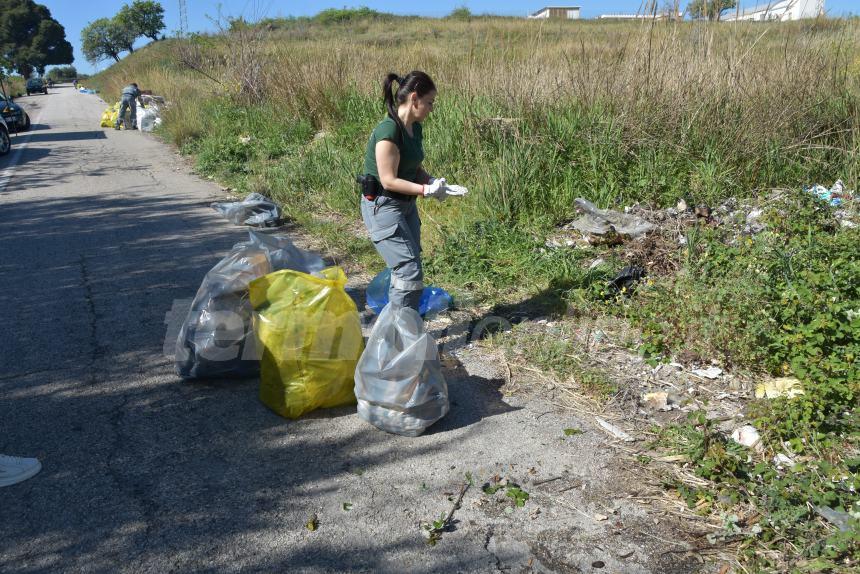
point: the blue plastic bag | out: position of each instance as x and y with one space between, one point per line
433 299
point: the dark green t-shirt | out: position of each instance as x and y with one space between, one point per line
411 149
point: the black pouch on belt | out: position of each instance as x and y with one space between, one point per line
369 185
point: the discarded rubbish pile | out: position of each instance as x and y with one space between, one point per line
310 340
216 339
149 118
398 381
255 209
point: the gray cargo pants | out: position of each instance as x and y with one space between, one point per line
395 230
127 103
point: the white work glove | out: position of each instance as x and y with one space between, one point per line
455 190
435 187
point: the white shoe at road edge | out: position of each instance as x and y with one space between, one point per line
14 469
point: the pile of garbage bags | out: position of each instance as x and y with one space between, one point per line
273 310
216 340
398 382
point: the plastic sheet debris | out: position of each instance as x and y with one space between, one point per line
256 209
433 299
838 518
309 336
607 224
834 195
614 430
398 381
625 282
87 91
709 373
216 340
746 435
783 387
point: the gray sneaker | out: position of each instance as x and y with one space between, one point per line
14 469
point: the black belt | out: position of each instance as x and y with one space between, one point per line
371 189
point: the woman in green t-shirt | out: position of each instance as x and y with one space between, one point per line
394 177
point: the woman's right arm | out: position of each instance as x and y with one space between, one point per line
387 161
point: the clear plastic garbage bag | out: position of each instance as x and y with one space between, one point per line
398 382
309 336
256 209
216 340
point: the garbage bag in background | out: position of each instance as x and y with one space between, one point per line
433 299
256 209
309 337
216 340
398 382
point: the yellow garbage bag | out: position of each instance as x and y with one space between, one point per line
109 116
309 339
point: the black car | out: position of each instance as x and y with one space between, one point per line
5 140
36 85
14 115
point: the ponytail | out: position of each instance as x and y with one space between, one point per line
415 81
388 97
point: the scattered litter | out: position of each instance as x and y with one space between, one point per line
658 401
109 116
783 460
747 436
601 517
681 206
245 140
149 118
598 564
433 299
256 209
783 387
607 225
709 373
625 282
596 262
398 380
834 196
614 430
753 225
313 522
837 518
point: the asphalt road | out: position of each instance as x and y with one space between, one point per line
102 233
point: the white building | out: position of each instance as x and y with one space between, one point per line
560 12
780 10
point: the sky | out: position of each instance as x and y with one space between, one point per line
75 14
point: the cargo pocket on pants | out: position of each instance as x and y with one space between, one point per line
392 244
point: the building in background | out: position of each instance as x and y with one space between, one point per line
557 12
782 10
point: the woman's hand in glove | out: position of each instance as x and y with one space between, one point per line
435 188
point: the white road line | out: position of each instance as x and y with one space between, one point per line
18 148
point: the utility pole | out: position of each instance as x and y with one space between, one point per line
183 18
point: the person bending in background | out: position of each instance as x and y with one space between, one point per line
393 177
130 94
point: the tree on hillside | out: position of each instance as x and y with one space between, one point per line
710 9
30 39
144 17
105 38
